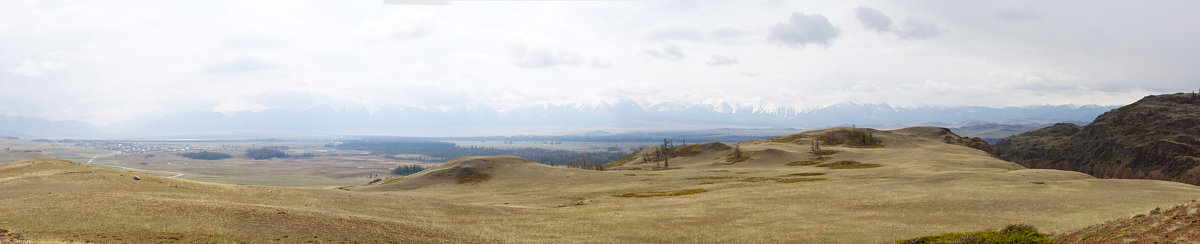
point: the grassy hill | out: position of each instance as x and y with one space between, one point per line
917 184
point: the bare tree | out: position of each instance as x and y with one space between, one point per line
737 152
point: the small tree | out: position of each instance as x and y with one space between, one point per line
816 148
737 152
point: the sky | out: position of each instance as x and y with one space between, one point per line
110 61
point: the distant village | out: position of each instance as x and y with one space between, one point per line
143 147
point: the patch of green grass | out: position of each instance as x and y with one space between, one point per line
1020 233
804 163
661 193
823 152
797 179
759 179
865 146
803 174
848 164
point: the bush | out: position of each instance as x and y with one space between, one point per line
661 193
1019 233
847 164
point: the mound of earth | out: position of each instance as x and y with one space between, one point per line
653 155
947 136
1179 224
57 201
482 171
1157 136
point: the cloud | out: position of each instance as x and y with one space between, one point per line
802 29
911 28
873 19
918 28
718 60
240 65
536 57
669 51
31 68
601 63
675 33
729 32
750 74
404 24
1018 14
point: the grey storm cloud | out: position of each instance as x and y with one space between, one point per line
718 60
911 28
873 19
802 29
669 51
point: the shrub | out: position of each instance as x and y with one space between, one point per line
803 163
803 174
661 193
797 179
847 164
1019 233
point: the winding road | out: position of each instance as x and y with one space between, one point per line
90 161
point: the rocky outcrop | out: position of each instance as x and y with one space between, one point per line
1157 134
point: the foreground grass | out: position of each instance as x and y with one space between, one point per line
1020 233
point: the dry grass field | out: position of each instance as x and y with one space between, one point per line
922 186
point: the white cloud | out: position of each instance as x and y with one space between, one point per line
801 29
675 33
134 60
541 57
669 52
719 60
873 19
28 67
911 28
918 28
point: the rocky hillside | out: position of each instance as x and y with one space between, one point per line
1155 137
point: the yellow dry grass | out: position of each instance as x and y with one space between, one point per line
925 187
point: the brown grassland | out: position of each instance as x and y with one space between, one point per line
922 186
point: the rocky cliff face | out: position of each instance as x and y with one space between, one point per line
1157 134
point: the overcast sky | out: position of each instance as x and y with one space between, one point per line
109 61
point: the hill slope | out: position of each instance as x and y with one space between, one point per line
56 200
1158 135
867 186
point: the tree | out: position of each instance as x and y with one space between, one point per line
737 152
816 148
